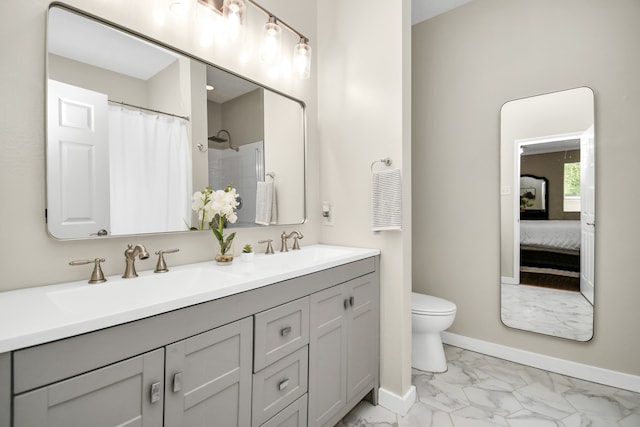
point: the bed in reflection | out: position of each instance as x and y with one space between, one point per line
550 253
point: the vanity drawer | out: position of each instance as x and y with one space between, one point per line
278 385
280 331
294 415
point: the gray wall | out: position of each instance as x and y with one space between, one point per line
466 64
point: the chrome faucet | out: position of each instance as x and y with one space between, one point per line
130 258
296 237
284 236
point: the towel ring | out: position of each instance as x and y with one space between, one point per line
386 161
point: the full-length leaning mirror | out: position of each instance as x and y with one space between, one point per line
547 179
134 129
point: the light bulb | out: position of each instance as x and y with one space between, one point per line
302 58
271 41
234 13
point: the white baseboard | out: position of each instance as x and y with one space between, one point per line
398 404
548 363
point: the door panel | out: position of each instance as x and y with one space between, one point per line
209 378
588 214
362 361
328 350
117 395
78 178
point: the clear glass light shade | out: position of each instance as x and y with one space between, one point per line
234 13
180 7
302 59
271 42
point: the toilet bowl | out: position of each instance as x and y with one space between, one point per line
429 316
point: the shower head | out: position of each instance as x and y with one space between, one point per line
220 140
216 139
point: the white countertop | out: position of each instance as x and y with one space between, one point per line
46 313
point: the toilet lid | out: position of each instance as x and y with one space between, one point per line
427 304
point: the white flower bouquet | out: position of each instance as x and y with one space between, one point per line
215 209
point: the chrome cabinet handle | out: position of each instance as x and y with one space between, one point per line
285 331
177 382
283 384
155 392
346 304
591 223
352 300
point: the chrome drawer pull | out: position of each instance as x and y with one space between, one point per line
283 384
285 331
177 382
352 301
155 392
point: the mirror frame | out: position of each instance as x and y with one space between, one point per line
206 63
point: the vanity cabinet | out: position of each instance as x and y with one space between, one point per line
343 347
195 380
298 352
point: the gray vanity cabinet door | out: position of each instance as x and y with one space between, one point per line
208 378
127 393
363 355
343 348
327 354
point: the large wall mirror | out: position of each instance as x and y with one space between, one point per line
547 178
134 129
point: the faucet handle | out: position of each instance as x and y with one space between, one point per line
296 236
269 250
283 242
96 276
161 266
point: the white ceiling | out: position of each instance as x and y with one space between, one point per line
421 10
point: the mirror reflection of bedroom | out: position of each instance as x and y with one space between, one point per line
548 221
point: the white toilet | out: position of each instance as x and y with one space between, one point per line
429 316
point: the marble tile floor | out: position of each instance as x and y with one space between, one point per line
547 311
482 391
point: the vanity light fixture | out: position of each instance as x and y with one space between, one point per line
271 41
302 58
210 88
234 14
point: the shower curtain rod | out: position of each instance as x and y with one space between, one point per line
148 109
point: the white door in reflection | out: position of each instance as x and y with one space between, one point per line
78 182
588 214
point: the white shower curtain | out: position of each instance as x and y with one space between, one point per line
150 172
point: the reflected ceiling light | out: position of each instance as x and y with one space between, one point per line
234 13
302 58
271 41
209 87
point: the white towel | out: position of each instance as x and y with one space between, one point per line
264 202
274 205
386 200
